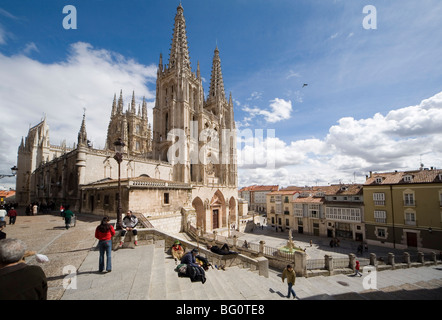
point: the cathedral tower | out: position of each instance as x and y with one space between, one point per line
131 126
188 131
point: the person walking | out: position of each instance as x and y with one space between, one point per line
357 267
104 233
3 213
34 209
290 274
67 214
12 214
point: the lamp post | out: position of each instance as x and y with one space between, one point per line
14 170
119 145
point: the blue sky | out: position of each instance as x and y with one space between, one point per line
362 110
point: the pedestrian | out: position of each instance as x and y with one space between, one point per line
290 274
104 233
20 281
34 209
357 267
2 226
3 213
67 214
129 224
12 214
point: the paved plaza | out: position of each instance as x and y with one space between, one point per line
73 249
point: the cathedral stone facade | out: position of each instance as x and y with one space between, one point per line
181 170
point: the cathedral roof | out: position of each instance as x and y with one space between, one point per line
141 181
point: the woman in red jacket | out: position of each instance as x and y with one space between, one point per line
104 234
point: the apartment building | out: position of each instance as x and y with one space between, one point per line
404 209
344 211
280 208
256 196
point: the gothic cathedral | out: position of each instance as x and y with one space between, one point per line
181 170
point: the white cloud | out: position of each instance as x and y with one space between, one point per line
29 48
280 109
88 78
397 141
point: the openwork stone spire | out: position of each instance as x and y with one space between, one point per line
216 80
179 52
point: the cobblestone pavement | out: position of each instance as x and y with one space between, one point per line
46 234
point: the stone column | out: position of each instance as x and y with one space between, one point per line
235 242
261 247
391 260
373 260
421 257
352 263
407 259
434 257
301 263
329 263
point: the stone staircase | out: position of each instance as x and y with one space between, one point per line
147 272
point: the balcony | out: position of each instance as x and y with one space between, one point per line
379 202
410 222
409 203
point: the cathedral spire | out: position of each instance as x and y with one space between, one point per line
114 105
120 103
82 135
216 81
179 52
144 109
132 104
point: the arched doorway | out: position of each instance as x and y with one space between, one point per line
198 205
218 210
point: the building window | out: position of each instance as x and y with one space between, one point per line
381 233
408 199
379 198
287 222
313 210
410 218
379 180
297 210
166 198
380 216
408 178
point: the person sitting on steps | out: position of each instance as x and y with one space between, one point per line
129 224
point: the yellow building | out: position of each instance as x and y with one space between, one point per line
404 209
280 209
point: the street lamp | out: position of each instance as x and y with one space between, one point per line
119 146
14 170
